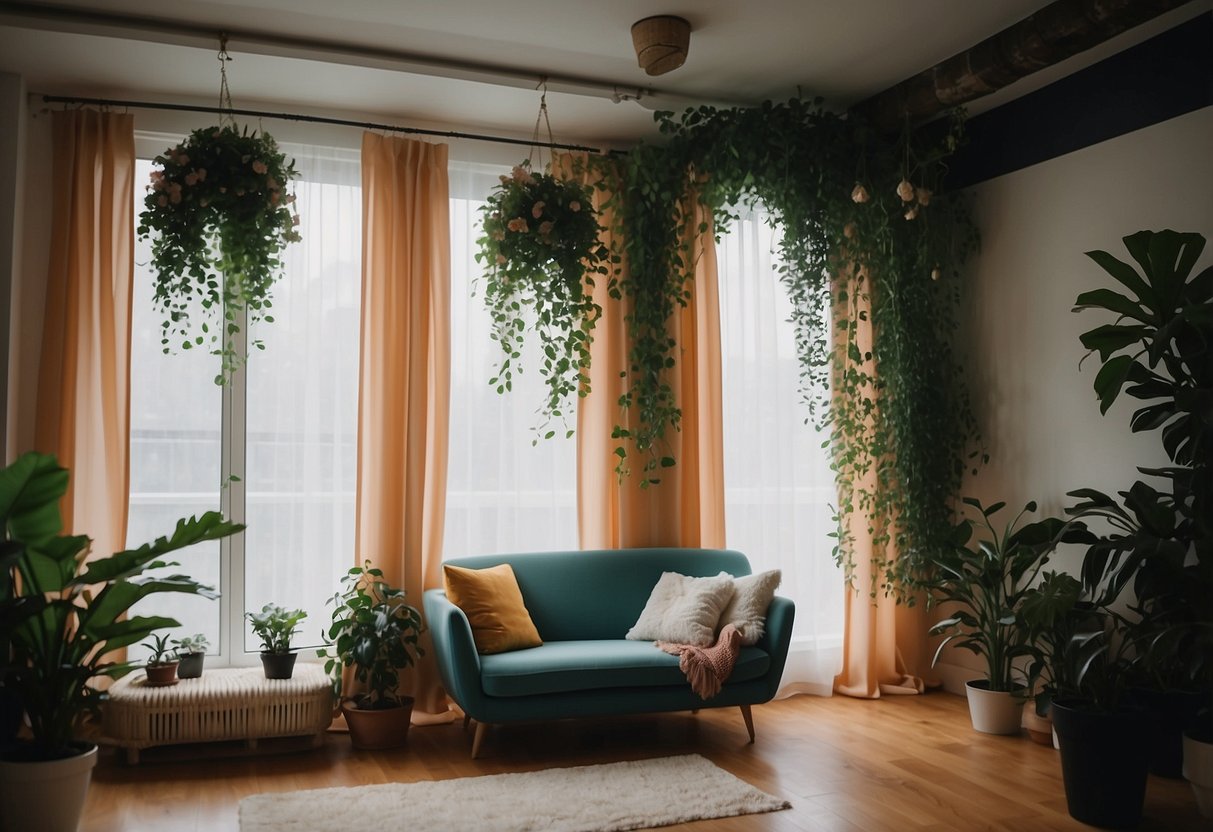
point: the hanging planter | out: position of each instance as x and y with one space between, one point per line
541 250
219 217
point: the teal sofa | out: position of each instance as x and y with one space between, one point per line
582 603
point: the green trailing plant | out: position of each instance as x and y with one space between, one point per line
219 217
61 616
376 632
275 626
989 579
541 253
867 236
1159 350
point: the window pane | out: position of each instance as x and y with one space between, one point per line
302 405
503 493
175 447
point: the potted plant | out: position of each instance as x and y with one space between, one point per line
275 626
1157 350
374 631
61 619
219 217
161 665
191 650
988 580
1055 613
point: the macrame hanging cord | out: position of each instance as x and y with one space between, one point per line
536 154
226 117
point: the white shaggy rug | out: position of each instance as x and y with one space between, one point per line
602 798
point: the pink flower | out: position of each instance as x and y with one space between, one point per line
162 201
923 195
848 231
500 259
295 220
545 228
537 209
175 197
191 179
912 213
201 174
859 194
183 160
574 206
936 273
517 224
523 176
259 167
498 234
290 198
906 191
274 198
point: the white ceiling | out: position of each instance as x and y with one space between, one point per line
740 53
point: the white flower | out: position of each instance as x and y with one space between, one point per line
859 194
906 191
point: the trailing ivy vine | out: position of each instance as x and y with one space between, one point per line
867 235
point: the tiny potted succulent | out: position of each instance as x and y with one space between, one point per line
374 631
275 626
191 650
161 664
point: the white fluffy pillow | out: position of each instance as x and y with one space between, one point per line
748 609
684 610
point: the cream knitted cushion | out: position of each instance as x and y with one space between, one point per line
683 609
748 609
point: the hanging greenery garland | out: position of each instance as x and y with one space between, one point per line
541 250
849 203
219 215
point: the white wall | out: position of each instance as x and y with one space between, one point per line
1037 409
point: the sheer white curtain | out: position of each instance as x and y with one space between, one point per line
504 492
302 403
778 483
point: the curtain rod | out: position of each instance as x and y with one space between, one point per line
341 122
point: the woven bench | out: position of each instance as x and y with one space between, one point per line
236 703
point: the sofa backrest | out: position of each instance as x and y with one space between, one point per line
599 593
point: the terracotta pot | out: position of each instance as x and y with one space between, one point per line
278 665
993 711
46 795
161 675
378 729
1040 728
191 665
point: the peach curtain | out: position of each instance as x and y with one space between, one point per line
884 643
404 377
83 402
687 507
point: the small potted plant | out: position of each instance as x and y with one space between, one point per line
191 650
161 664
988 581
374 631
275 626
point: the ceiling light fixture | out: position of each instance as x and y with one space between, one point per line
661 43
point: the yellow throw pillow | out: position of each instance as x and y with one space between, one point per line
491 600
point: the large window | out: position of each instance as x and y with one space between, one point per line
276 448
778 483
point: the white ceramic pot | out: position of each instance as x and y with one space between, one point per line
47 796
993 711
1198 768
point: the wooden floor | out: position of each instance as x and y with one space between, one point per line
901 763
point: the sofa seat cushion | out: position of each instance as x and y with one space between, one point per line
560 666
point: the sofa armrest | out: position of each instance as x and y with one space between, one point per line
777 639
454 650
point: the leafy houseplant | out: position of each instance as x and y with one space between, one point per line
1157 349
541 251
161 664
374 631
219 217
192 652
989 580
275 626
61 618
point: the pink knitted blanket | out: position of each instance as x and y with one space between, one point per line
707 668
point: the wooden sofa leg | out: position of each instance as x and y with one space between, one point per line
476 739
748 716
